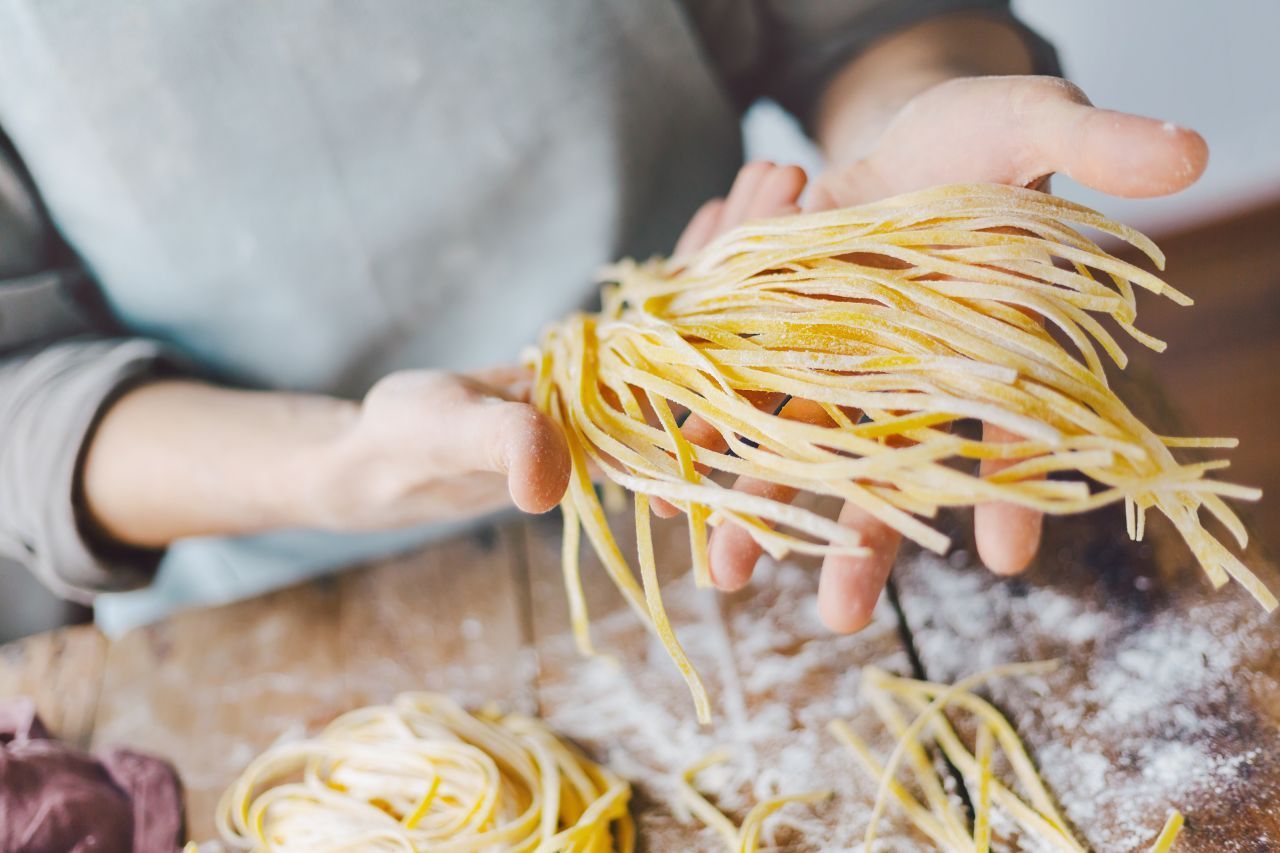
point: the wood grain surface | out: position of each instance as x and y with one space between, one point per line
62 672
1167 695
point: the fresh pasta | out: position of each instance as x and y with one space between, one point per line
423 774
737 839
897 319
927 804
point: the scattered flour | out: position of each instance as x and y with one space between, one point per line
756 652
1145 715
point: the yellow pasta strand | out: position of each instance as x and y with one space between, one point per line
1036 815
744 839
1168 835
897 318
423 774
982 807
1021 763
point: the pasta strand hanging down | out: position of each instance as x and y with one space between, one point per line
899 318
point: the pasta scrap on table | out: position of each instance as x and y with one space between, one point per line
1034 816
898 318
737 839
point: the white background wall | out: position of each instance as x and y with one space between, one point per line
1213 65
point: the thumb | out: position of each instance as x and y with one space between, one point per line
517 440
1050 126
1017 130
1118 153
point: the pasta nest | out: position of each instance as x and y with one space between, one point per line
424 774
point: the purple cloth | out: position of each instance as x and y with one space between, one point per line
54 797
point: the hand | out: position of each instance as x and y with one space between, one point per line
429 446
1016 131
177 458
1011 130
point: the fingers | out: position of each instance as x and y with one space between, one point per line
760 190
850 586
701 229
510 438
1045 125
743 192
1008 535
698 431
733 553
510 382
777 194
536 458
1118 153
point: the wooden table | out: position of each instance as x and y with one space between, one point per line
1168 695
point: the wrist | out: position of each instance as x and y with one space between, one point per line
178 458
308 488
865 95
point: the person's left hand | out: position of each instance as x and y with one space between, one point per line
1008 130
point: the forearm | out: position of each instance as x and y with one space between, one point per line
175 459
863 97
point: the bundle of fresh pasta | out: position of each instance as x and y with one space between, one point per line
898 318
423 774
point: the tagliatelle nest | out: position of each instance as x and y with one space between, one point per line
899 318
423 774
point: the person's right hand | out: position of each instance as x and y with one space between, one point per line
177 458
428 445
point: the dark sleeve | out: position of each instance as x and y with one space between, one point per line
788 50
59 368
